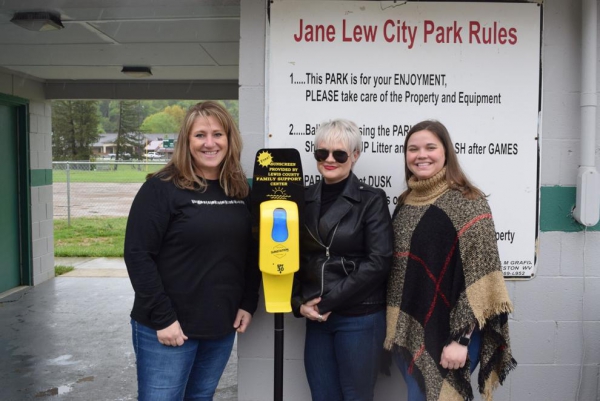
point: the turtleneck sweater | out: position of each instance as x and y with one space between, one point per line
424 192
329 194
447 277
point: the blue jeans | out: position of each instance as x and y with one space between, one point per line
414 391
341 356
191 371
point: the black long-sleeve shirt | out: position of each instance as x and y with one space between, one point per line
190 257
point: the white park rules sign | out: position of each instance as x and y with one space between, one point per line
388 65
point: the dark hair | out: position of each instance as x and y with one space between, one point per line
455 176
180 169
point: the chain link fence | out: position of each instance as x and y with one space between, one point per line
97 189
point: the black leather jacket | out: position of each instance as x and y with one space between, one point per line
346 256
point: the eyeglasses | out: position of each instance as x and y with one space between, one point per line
339 155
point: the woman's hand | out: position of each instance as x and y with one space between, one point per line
171 336
454 356
242 321
310 310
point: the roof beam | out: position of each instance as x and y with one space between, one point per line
193 90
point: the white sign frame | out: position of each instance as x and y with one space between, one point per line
439 60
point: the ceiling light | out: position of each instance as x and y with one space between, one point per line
37 20
137 72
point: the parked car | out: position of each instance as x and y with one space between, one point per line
122 156
152 155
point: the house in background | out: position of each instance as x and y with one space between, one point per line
161 144
107 146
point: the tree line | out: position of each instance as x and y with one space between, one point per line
78 124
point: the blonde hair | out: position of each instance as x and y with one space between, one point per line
342 130
180 168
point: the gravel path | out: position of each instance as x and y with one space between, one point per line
94 199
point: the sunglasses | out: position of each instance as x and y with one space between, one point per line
339 155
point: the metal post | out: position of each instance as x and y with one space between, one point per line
278 367
68 196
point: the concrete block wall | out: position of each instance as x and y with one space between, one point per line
555 329
40 161
40 171
252 80
255 348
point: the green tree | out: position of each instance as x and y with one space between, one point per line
160 123
75 128
233 108
128 129
177 109
155 106
178 114
107 125
186 104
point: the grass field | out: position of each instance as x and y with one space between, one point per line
60 269
90 237
124 174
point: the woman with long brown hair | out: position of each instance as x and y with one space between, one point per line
191 260
447 304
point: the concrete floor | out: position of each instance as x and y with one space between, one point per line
70 339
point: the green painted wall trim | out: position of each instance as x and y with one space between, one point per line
41 177
22 108
556 207
25 189
13 100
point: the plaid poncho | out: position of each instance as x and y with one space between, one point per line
446 277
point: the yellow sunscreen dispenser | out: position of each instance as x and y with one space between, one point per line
277 210
279 255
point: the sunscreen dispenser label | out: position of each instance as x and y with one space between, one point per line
279 255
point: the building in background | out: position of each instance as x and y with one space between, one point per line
158 144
